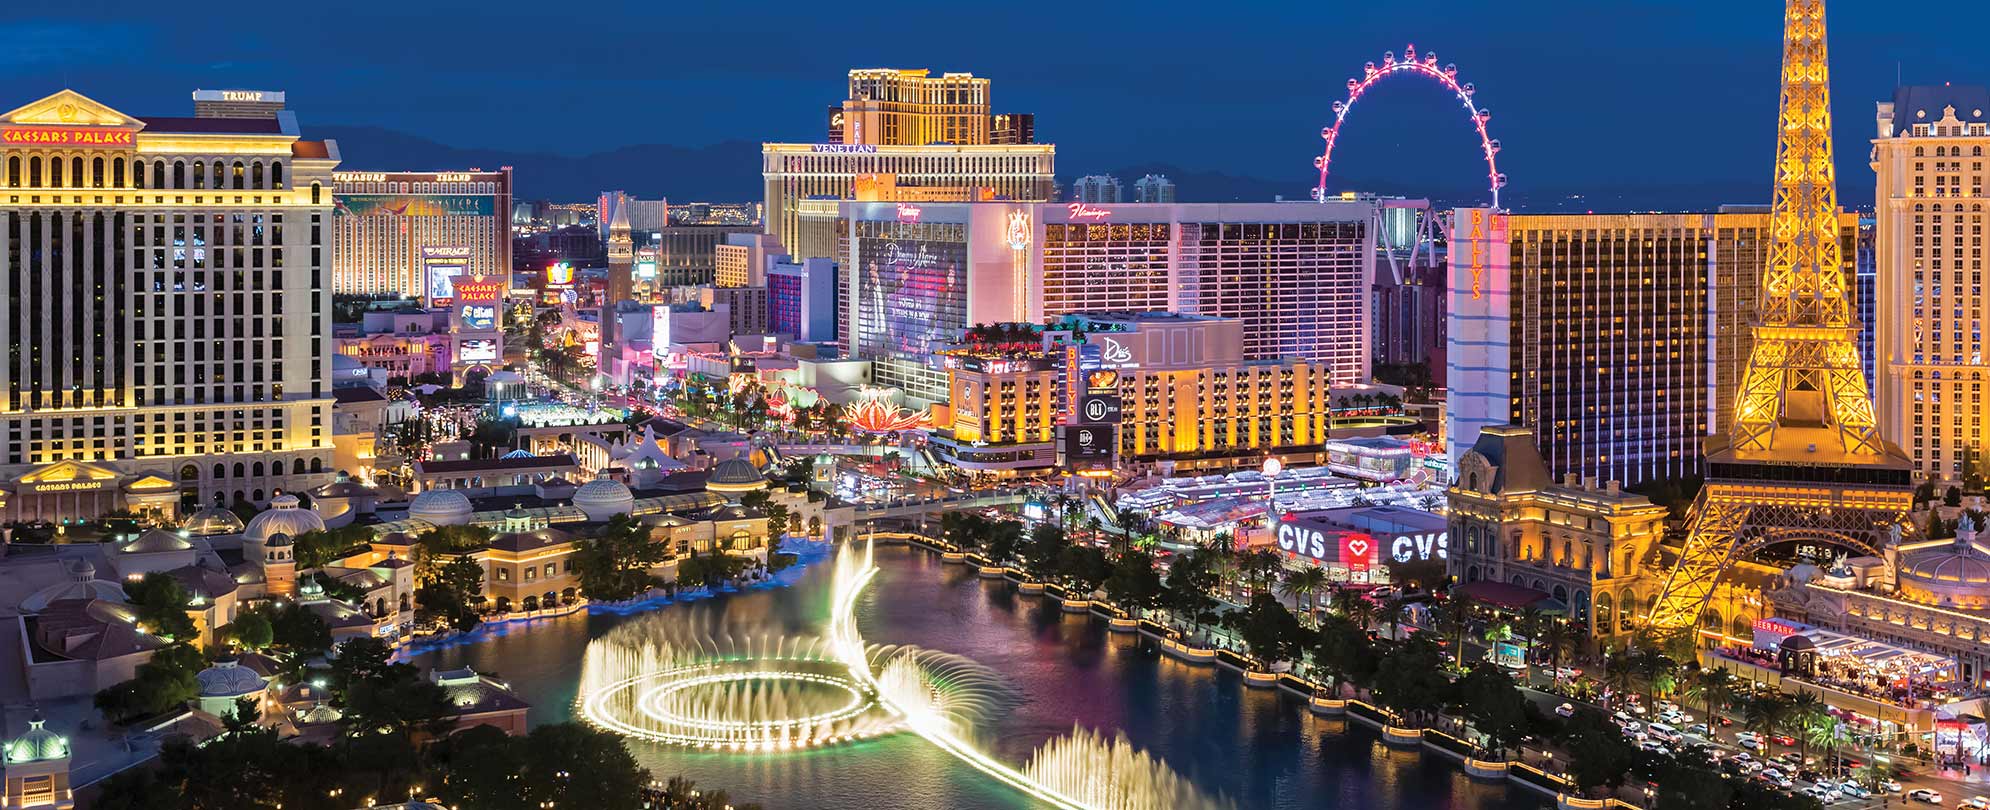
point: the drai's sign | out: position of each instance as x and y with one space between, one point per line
1420 547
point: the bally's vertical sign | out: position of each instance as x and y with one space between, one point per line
1478 349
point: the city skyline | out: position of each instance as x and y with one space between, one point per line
541 98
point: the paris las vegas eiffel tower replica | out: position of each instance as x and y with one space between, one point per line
1803 460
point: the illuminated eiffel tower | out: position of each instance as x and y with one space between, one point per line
1803 460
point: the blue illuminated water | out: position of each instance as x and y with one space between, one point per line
1260 748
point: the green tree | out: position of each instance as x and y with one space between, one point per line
1487 696
252 630
1342 648
1765 713
1409 679
1081 569
1004 537
1714 688
479 767
1302 584
451 595
1134 585
1268 629
160 604
1191 582
1040 554
1807 709
165 681
317 549
1599 755
615 563
572 765
297 632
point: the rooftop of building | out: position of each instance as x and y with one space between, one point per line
1928 103
437 467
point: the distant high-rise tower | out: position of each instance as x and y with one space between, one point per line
1803 459
1096 188
1929 339
621 284
1154 188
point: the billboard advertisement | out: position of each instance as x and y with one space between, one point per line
1099 409
477 350
479 317
410 205
477 303
441 266
1089 448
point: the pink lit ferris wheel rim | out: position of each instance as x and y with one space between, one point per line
1427 66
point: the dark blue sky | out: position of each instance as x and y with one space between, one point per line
1618 95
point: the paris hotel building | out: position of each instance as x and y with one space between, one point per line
1928 157
1619 340
168 309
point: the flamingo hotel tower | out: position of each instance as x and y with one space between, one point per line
168 308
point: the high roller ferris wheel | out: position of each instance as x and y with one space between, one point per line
1410 65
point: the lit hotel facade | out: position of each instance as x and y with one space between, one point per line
1295 275
1929 161
796 173
411 233
168 334
1618 339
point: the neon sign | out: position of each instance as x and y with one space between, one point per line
844 148
1083 211
1478 253
67 136
452 177
1019 230
359 177
908 213
1113 352
241 95
1420 547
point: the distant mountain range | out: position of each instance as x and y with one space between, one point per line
730 171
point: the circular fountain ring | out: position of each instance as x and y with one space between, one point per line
642 706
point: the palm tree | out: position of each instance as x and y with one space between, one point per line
1556 636
1530 622
1454 617
1303 583
1620 673
1392 613
1827 734
1807 709
1765 714
1713 687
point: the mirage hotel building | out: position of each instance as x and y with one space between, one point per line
168 308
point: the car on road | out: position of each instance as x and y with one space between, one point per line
1623 717
1749 743
1699 730
1925 795
1819 792
1565 710
1654 746
1567 673
1854 791
1784 739
1743 756
1889 786
1673 718
1975 803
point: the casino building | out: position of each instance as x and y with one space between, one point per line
411 233
1619 339
167 334
1294 275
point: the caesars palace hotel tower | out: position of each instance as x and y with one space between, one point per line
167 307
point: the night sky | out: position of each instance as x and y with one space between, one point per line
1613 95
